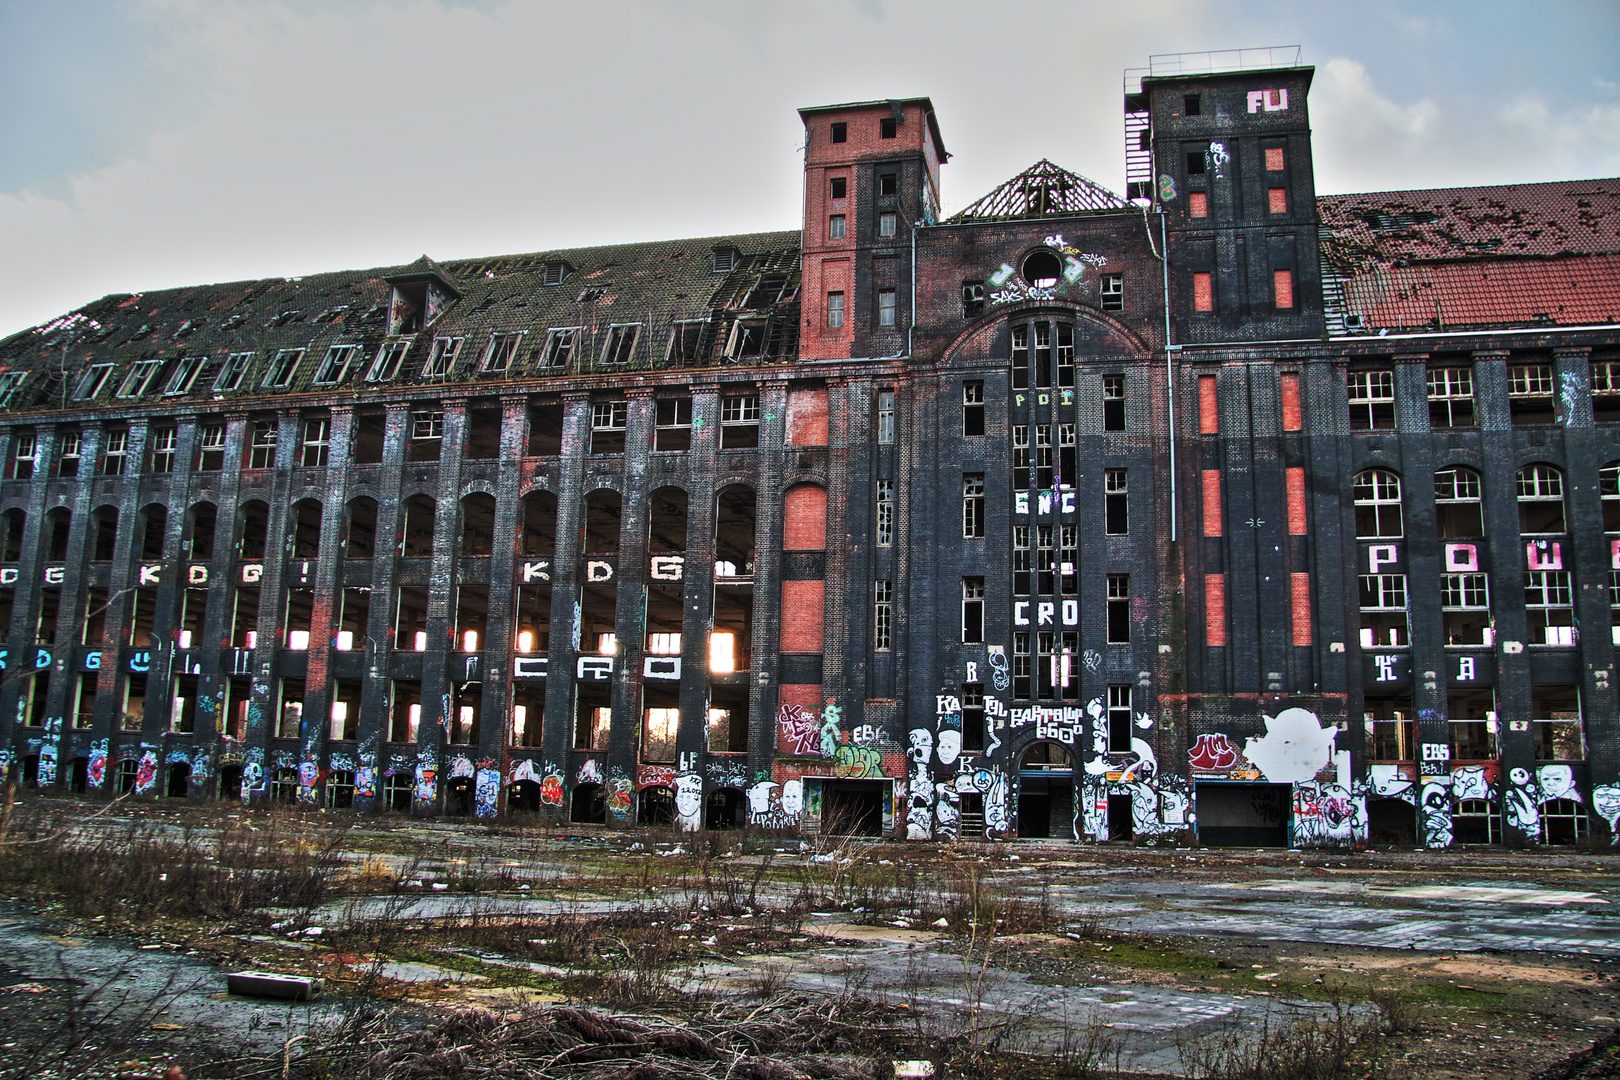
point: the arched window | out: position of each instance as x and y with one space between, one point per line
1457 507
154 523
255 519
603 509
734 519
416 539
539 524
478 524
360 541
1541 499
1377 494
200 528
666 526
306 529
58 525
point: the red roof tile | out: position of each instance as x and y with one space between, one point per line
1574 290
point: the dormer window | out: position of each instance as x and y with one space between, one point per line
443 357
280 375
140 376
725 260
335 367
415 304
9 381
91 381
230 376
386 364
502 348
555 273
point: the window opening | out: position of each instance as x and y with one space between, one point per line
1113 403
1115 488
1541 500
972 610
163 444
1377 495
672 424
1530 394
885 513
1372 400
973 515
91 380
1458 511
281 370
885 416
1383 611
973 408
883 616
335 365
972 299
442 358
1451 397
886 311
1113 292
1119 609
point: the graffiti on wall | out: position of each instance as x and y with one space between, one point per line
689 801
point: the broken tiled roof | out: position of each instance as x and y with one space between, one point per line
651 284
1454 258
1042 190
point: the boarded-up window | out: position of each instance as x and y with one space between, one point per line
1292 420
1214 609
1212 502
1301 584
1282 283
1208 414
805 514
802 609
1296 501
1277 200
1203 291
807 418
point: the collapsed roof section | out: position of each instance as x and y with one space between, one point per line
1472 258
474 322
1042 190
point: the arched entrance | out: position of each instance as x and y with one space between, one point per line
230 782
523 797
179 780
657 806
725 809
589 806
1046 792
458 795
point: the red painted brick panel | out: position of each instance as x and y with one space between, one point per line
1274 159
1282 282
1203 292
1212 502
798 716
803 604
804 512
1296 501
1214 609
1292 420
807 418
1209 417
1302 608
1277 200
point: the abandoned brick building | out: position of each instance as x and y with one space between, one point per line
1222 507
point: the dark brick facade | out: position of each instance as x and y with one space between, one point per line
1064 516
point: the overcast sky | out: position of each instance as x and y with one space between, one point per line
153 143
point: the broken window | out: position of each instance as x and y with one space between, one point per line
885 416
416 536
1549 603
1458 512
1377 495
973 407
973 518
835 227
1113 292
1609 496
410 619
115 453
389 358
1530 394
835 310
91 380
185 372
685 341
106 541
1119 719
255 520
1541 500
537 526
1383 611
661 720
885 513
1022 666
279 375
353 618
604 509
1465 609
972 299
1119 609
1113 403
163 444
405 710
1022 459
502 349
1045 461
972 610
838 186
245 618
559 346
534 618
298 619
478 524
262 448
442 358
1606 391
840 131
545 428
747 338
9 382
1555 710
345 716
608 419
619 344
24 455
1045 559
1451 397
1390 726
231 372
68 444
1115 488
1372 399
888 183
472 617
1069 557
885 307
672 424
427 435
886 127
882 616
739 421
335 365
139 378
316 442
528 712
483 433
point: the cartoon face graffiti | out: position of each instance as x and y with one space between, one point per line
792 799
950 746
922 746
1557 782
688 796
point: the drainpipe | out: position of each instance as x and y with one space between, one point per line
1169 367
